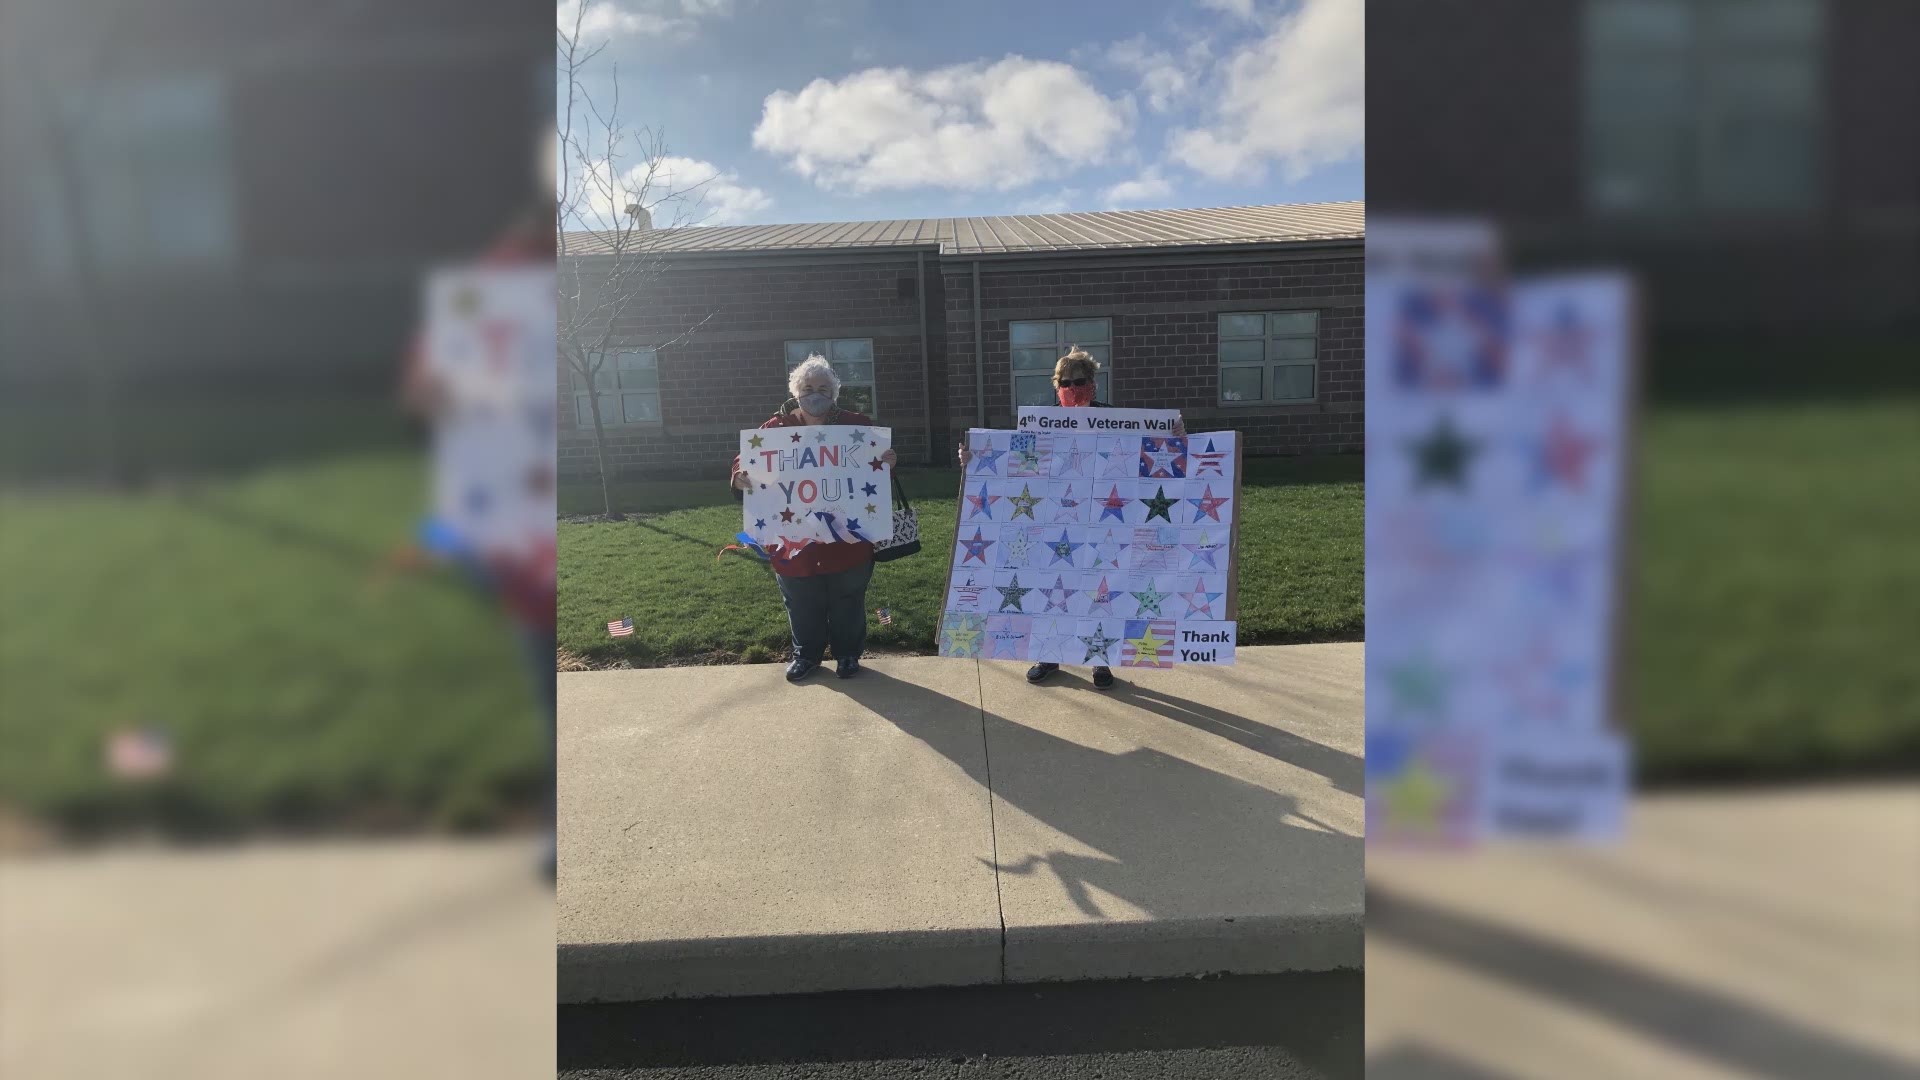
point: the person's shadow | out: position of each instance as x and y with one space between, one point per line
1170 838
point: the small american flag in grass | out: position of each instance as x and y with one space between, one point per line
139 754
886 617
621 628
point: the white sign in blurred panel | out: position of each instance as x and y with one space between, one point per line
490 344
1497 427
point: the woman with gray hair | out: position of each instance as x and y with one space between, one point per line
824 585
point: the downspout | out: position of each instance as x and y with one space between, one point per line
979 357
926 365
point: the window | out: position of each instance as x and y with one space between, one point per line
852 360
1708 105
1037 346
629 382
1268 357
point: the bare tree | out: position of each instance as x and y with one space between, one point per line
612 190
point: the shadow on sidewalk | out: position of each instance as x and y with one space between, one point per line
1173 837
1347 772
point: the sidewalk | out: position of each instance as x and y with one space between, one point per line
939 822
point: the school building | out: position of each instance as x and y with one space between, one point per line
1247 319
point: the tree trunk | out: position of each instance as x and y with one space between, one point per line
600 452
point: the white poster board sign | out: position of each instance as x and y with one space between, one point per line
490 343
1097 421
820 484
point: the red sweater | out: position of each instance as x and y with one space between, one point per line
814 558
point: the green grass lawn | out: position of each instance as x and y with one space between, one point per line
1301 576
241 619
1774 600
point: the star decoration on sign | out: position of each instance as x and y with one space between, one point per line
1208 503
877 464
820 438
872 509
796 436
1417 687
1058 595
1018 547
786 515
1068 506
858 438
755 441
1109 552
1199 601
976 547
1563 457
1073 462
1007 642
981 505
963 635
1159 505
1101 599
853 524
1415 797
987 458
868 488
1024 502
1011 594
1063 548
1150 599
1443 456
1114 505
1146 647
1204 552
759 523
1098 645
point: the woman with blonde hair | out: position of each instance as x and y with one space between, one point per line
1073 385
824 585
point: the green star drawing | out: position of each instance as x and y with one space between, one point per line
1159 505
1011 593
1417 687
1024 502
755 441
1151 599
872 509
1098 644
1443 456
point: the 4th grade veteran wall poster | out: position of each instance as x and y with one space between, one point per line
823 484
1097 549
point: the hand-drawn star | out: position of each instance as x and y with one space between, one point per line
1073 462
796 436
1150 600
877 464
1204 551
853 524
1415 797
1098 644
1110 551
1115 505
755 441
1199 601
872 509
763 487
1208 503
478 500
858 437
1417 687
1563 456
1024 502
759 523
786 515
1007 643
1058 595
1063 548
868 488
1016 547
1146 647
820 438
988 458
976 547
1159 505
1101 599
1443 456
1011 593
981 505
962 633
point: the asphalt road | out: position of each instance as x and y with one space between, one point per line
1270 1027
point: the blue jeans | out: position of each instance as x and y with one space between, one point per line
536 649
828 610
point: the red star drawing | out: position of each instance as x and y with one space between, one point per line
1208 503
877 464
786 515
796 436
1565 454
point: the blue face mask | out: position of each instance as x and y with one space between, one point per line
816 404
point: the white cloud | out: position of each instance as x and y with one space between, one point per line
1241 8
976 126
681 191
1149 186
1164 80
638 18
1295 99
1058 202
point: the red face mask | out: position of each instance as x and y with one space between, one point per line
1075 396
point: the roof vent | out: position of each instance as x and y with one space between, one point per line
642 220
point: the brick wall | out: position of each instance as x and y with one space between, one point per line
731 372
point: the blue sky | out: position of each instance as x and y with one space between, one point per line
855 109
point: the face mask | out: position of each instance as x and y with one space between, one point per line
816 404
1075 396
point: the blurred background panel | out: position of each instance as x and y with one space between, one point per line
1748 162
264 784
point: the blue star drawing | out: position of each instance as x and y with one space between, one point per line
853 525
1204 552
1115 505
987 457
1063 549
858 437
820 438
976 547
981 505
869 488
759 523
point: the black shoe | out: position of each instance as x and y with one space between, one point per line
1040 671
848 668
800 669
1102 678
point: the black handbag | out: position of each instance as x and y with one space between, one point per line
906 529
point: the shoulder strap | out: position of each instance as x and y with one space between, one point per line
899 492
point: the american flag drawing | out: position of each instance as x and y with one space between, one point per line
885 616
138 754
1147 643
621 628
1209 461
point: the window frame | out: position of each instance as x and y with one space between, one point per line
871 384
615 392
1267 363
1061 340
